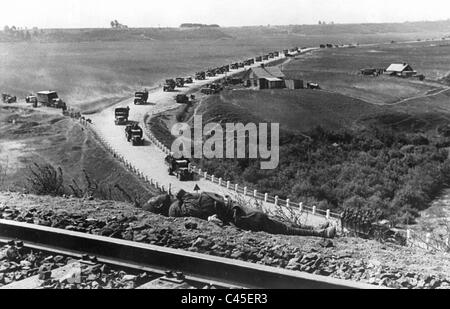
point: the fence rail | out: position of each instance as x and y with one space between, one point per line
244 190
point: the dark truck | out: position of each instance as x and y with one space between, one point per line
179 168
134 134
140 97
200 75
182 99
7 98
179 82
169 85
50 99
121 114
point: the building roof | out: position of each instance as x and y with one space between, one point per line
46 92
273 79
399 67
268 72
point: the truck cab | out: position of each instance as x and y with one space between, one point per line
140 97
182 99
169 85
179 168
121 115
134 134
50 99
31 99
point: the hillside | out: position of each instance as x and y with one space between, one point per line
297 111
115 35
349 258
32 137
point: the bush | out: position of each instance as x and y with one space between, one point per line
46 180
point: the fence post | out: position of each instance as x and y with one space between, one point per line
287 202
236 186
245 191
314 210
328 214
220 181
212 178
408 236
300 205
266 197
255 193
228 184
276 200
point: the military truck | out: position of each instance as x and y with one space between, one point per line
7 98
200 76
188 80
169 85
179 82
50 99
182 99
312 86
121 115
31 99
179 168
134 134
140 97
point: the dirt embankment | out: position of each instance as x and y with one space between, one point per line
30 136
348 258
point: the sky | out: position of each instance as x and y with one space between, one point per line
171 13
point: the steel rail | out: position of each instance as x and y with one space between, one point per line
210 268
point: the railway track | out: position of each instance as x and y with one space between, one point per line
155 267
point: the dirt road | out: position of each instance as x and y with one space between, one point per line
149 159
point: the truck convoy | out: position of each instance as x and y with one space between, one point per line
134 134
121 115
140 97
50 99
179 168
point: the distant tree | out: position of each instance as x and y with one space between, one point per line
320 22
113 24
27 36
13 28
6 29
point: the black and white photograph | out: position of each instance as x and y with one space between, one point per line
224 150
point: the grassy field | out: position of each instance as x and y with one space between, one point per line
97 67
337 70
295 110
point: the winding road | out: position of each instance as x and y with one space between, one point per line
149 159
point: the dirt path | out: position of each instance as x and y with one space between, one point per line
149 159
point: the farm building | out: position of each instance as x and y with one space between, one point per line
400 69
265 78
294 84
